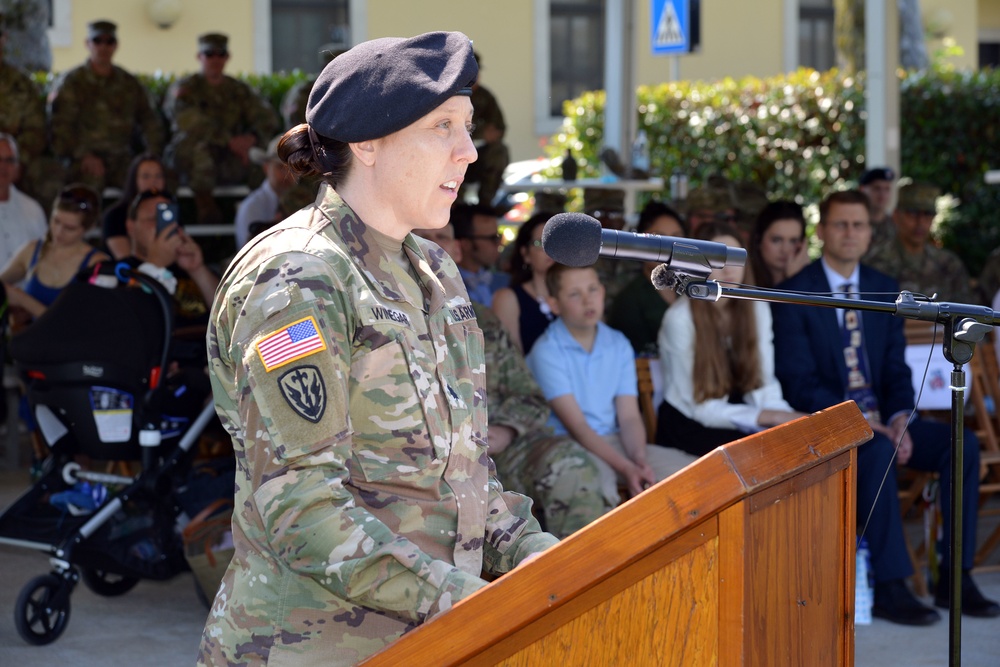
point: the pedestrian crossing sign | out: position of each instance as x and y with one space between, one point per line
671 27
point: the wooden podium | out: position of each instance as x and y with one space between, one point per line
745 557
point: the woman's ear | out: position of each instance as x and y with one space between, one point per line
364 151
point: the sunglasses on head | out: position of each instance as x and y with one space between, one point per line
109 41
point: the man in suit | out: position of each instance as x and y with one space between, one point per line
825 356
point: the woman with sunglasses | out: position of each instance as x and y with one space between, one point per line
48 265
347 366
523 307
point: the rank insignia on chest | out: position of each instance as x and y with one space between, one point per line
305 392
290 343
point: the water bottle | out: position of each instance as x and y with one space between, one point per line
863 595
640 155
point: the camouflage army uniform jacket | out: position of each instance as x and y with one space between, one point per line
365 499
22 111
213 115
117 107
933 271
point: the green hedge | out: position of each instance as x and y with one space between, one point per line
801 136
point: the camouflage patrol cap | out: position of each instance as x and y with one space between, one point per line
213 41
101 29
381 86
710 198
603 199
918 197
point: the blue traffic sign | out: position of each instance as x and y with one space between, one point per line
671 27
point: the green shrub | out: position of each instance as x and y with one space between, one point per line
801 136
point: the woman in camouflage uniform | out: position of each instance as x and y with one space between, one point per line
348 368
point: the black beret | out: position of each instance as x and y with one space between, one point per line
877 174
381 86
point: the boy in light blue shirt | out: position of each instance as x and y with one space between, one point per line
586 370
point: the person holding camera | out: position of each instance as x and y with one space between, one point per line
162 249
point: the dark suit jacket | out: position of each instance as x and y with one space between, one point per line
809 348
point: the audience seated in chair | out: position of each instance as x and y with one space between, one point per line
568 486
587 373
523 307
145 173
911 257
718 365
22 219
638 309
778 248
47 265
262 204
831 355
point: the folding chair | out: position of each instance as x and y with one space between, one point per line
985 398
646 406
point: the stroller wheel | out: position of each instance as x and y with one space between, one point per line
108 584
42 609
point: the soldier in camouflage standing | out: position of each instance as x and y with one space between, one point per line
97 146
556 472
215 120
348 367
22 109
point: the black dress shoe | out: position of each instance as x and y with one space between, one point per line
895 603
974 603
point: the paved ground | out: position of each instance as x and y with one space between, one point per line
159 624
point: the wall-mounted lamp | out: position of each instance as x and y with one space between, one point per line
164 13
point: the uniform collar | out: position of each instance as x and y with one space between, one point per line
369 256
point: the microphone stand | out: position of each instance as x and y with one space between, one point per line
964 326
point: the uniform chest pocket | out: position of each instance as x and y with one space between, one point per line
464 374
395 414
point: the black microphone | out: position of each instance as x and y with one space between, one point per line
577 239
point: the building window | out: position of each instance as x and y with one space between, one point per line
576 56
569 52
989 54
302 29
816 39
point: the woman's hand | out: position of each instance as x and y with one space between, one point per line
798 261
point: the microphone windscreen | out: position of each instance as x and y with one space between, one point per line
573 239
662 277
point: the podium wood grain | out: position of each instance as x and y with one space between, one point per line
745 557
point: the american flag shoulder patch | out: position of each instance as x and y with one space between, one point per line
292 342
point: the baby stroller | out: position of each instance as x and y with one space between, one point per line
93 369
